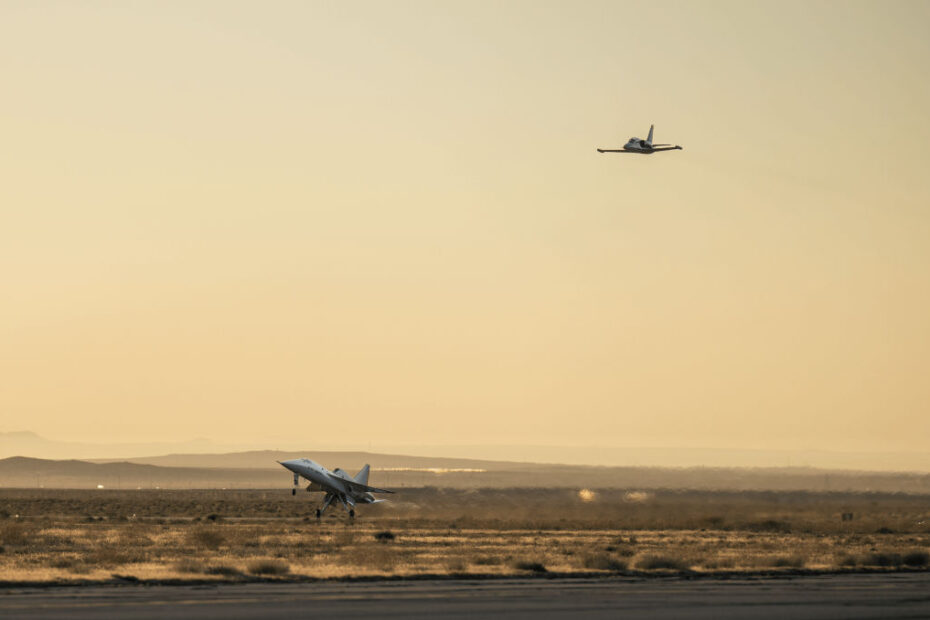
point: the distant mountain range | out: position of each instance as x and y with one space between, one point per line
194 453
268 459
27 443
259 470
19 471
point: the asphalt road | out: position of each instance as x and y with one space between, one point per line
820 597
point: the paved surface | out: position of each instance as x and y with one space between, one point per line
821 597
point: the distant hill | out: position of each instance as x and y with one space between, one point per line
187 453
268 459
27 443
30 472
395 471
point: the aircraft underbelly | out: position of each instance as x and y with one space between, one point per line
320 482
336 487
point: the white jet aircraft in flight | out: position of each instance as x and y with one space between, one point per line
336 484
643 147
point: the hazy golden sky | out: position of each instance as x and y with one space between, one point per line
386 221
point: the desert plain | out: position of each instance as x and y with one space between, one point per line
102 535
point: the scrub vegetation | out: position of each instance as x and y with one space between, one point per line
49 535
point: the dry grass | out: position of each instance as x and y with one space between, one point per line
530 565
545 509
15 533
455 565
107 556
656 561
787 561
222 570
88 539
884 559
268 566
372 556
205 537
190 566
603 561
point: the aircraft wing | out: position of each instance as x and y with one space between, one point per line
669 148
358 487
613 151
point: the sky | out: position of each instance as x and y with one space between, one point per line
369 224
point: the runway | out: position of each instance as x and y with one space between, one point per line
901 595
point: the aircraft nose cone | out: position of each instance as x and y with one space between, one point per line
288 464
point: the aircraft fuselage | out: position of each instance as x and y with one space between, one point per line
337 483
316 474
643 147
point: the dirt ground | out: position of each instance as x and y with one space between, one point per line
48 535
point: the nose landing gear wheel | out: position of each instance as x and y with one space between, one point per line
293 491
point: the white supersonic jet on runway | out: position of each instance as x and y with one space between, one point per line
643 147
336 484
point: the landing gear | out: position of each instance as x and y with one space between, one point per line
296 482
326 502
329 499
293 491
349 507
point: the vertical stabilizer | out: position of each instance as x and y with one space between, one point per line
649 139
362 476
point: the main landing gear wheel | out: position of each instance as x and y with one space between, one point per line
318 513
352 514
